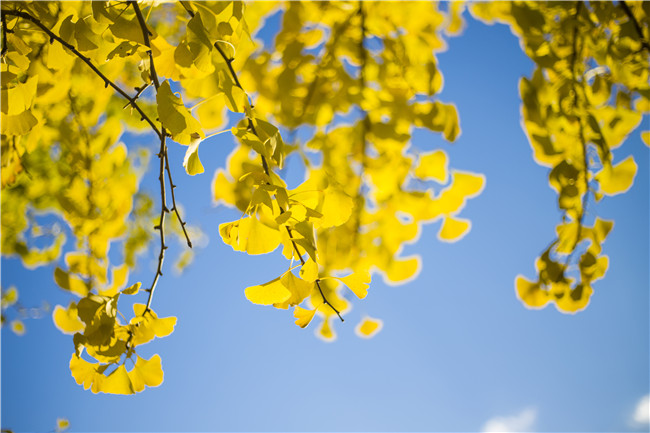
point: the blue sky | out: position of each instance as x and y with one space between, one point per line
457 350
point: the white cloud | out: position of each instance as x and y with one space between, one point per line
642 411
522 422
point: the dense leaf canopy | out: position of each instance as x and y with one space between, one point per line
344 85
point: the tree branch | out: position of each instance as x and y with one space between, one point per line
576 101
265 165
87 61
174 207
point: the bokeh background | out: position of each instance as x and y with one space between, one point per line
457 352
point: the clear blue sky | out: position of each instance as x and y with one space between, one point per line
457 348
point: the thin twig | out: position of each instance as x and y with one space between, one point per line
174 207
86 60
145 34
161 223
267 171
137 95
162 156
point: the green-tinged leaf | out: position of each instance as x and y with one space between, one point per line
176 118
132 289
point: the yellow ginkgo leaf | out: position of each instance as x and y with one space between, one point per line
403 269
309 271
303 316
117 382
530 293
133 289
146 373
175 117
9 297
453 229
191 162
298 287
250 235
269 293
615 179
67 320
18 327
325 331
336 210
147 326
62 424
433 166
368 327
358 282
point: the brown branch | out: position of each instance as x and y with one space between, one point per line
161 223
174 207
86 60
145 35
137 95
162 156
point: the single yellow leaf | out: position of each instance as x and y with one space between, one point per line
309 271
453 229
18 327
132 290
191 162
530 293
433 166
368 327
325 331
175 117
62 424
117 382
146 373
9 297
268 293
303 316
336 210
618 178
358 282
67 319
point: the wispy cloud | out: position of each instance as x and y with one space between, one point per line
642 412
522 422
